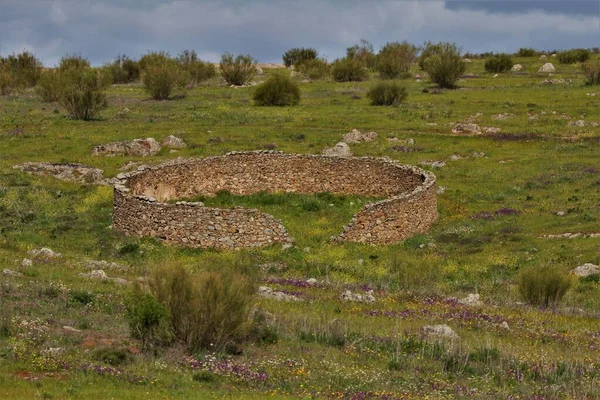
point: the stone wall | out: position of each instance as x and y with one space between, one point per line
140 207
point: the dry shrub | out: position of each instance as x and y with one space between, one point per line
387 93
543 286
591 70
395 59
51 85
348 70
84 95
239 70
162 78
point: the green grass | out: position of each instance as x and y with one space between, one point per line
325 347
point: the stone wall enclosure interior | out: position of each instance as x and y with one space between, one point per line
144 199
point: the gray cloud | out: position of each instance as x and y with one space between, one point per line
265 29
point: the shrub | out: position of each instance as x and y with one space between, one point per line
147 318
591 70
82 297
51 85
278 90
237 71
314 69
113 356
543 286
573 56
499 63
197 70
84 95
153 58
297 56
207 311
8 82
387 94
446 67
429 49
161 78
123 70
363 53
348 70
74 62
25 67
395 59
526 52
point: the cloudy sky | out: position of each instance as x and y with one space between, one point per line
99 30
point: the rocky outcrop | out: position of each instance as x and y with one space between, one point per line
341 149
174 142
44 254
267 292
134 148
585 270
70 172
357 137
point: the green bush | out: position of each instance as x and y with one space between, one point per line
499 63
543 286
238 71
387 94
591 70
161 78
348 70
427 50
573 56
314 69
123 70
147 318
395 59
526 52
363 53
297 56
206 311
278 90
25 68
197 70
113 356
84 96
82 297
8 82
73 62
446 67
153 58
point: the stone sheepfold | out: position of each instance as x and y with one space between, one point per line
144 199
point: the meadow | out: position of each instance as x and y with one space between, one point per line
502 193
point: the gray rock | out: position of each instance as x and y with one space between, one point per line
433 164
312 281
548 67
357 137
471 300
9 272
70 172
586 269
439 332
466 128
341 149
135 148
95 274
517 68
579 124
174 142
44 254
267 292
356 297
26 262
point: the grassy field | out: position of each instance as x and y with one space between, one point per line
493 213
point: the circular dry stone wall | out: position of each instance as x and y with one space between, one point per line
145 200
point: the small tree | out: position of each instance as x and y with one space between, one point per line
446 67
591 70
297 56
237 71
348 70
427 50
499 63
278 90
363 53
387 94
395 59
197 70
84 95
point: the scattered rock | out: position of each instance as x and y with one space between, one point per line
433 163
287 246
473 118
455 157
471 300
467 60
134 148
543 57
579 124
554 81
26 263
269 293
341 149
357 297
441 189
553 55
174 142
569 235
101 275
70 172
466 128
312 281
10 272
548 67
502 117
560 213
490 130
517 68
584 270
357 137
439 332
495 75
105 265
504 325
259 71
478 155
44 254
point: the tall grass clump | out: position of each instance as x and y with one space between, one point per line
84 95
543 286
123 70
573 56
161 75
209 310
299 55
363 53
395 59
278 90
499 63
591 70
348 70
446 67
239 70
24 67
197 70
387 93
314 69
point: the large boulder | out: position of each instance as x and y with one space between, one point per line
341 149
586 269
548 67
134 148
